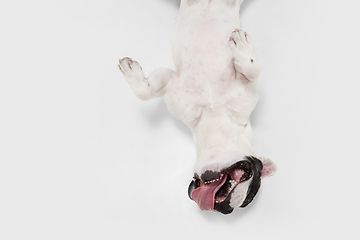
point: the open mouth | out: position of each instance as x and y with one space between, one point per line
213 190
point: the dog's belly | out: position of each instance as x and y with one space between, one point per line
207 77
186 100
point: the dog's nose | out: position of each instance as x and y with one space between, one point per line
228 211
224 207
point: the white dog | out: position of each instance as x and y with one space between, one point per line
213 91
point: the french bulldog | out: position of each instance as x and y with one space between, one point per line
213 90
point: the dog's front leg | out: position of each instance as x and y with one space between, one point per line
245 61
145 88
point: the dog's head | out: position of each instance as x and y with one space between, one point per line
230 187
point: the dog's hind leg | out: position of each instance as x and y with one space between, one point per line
245 60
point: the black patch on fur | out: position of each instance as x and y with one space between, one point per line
252 60
191 188
257 166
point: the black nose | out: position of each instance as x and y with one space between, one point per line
225 211
228 211
224 207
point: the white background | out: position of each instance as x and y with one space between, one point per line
83 158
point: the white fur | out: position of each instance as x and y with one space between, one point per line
214 87
239 194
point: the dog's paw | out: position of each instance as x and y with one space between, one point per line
240 43
135 77
131 69
244 54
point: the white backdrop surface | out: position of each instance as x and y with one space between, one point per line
82 158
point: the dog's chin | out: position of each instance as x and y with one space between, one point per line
232 187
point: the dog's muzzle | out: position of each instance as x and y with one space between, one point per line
213 190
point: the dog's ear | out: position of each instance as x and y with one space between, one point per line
269 168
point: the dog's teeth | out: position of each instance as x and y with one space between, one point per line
211 181
233 184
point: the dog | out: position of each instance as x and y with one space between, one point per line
213 91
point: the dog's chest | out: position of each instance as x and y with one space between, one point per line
186 99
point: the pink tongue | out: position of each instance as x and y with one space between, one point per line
204 195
